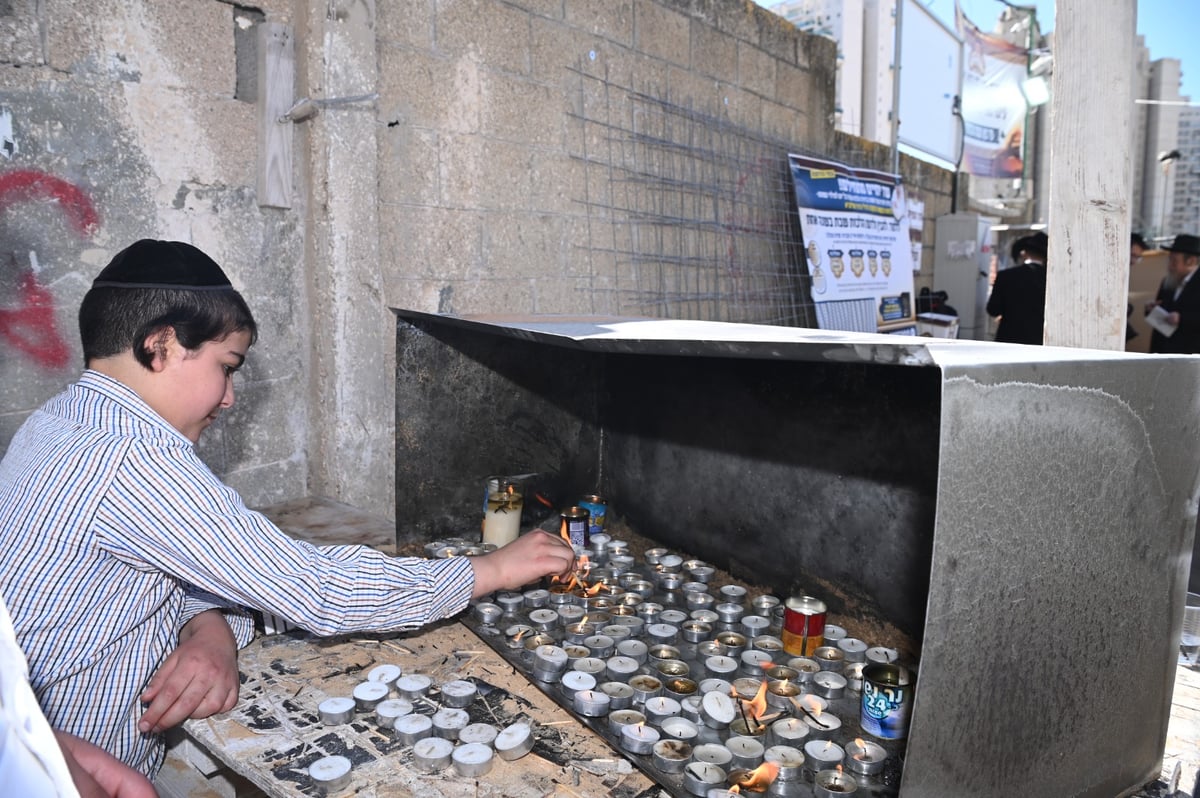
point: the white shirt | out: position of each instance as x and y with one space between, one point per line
31 763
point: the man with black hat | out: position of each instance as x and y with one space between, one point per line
1019 293
1179 299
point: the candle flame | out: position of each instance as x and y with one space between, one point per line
861 753
520 634
757 780
756 707
813 705
839 770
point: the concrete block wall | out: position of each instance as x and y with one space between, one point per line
475 177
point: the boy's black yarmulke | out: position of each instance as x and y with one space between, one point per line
162 264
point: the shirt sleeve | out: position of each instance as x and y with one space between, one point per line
165 510
196 601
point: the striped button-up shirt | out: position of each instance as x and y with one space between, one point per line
113 534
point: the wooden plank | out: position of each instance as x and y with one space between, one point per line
1087 273
276 78
274 733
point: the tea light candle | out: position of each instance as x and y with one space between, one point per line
670 563
690 707
642 588
746 752
411 728
544 620
621 563
385 674
828 684
659 708
754 662
854 675
829 658
624 717
449 721
488 613
789 760
747 687
701 601
781 673
770 644
699 571
672 668
634 624
590 665
636 650
812 703
672 616
854 649
515 635
733 594
787 732
747 727
621 668
509 601
616 548
715 684
432 754
570 613
823 726
734 643
367 695
754 625
679 688
533 642
330 773
669 582
535 599
472 760
729 612
712 754
387 711
700 777
661 652
600 645
484 733
717 710
578 632
645 687
549 662
833 784
679 728
882 655
617 632
620 695
591 703
833 633
764 605
780 693
639 738
649 611
864 756
823 754
336 711
514 742
458 693
574 681
561 597
654 556
805 668
671 756
711 648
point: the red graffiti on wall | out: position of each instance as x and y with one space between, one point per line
30 327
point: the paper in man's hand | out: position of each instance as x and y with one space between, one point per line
1157 319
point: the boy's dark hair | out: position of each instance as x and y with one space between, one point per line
1136 240
155 285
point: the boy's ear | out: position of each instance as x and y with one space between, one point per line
158 345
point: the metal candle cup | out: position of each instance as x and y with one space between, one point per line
671 756
717 710
620 695
672 616
729 612
747 727
788 759
639 739
367 695
654 556
700 573
591 703
514 742
696 631
535 599
735 594
754 663
828 684
822 755
864 756
533 643
413 686
764 605
734 643
721 667
662 634
645 687
544 619
833 633
691 706
619 719
336 711
458 693
621 668
432 754
574 681
805 668
330 774
823 726
754 625
712 648
882 655
448 722
594 666
510 602
649 611
830 658
659 708
672 669
515 635
484 733
635 650
854 649
679 728
549 662
387 712
700 777
600 645
679 687
833 784
617 632
787 732
780 692
712 754
662 652
770 644
747 752
488 613
472 760
578 632
410 728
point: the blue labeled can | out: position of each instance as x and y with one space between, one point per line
887 692
597 512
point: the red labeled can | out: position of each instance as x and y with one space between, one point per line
803 625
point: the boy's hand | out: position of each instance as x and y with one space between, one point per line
528 558
99 774
198 679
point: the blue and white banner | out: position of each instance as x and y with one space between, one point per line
856 237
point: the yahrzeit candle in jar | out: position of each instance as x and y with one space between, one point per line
330 774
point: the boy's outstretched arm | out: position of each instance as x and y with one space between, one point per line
198 679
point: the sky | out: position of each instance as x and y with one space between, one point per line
1170 28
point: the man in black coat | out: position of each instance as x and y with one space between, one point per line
1019 293
1179 296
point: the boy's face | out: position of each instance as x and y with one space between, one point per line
201 382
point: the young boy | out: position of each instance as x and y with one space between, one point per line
127 564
